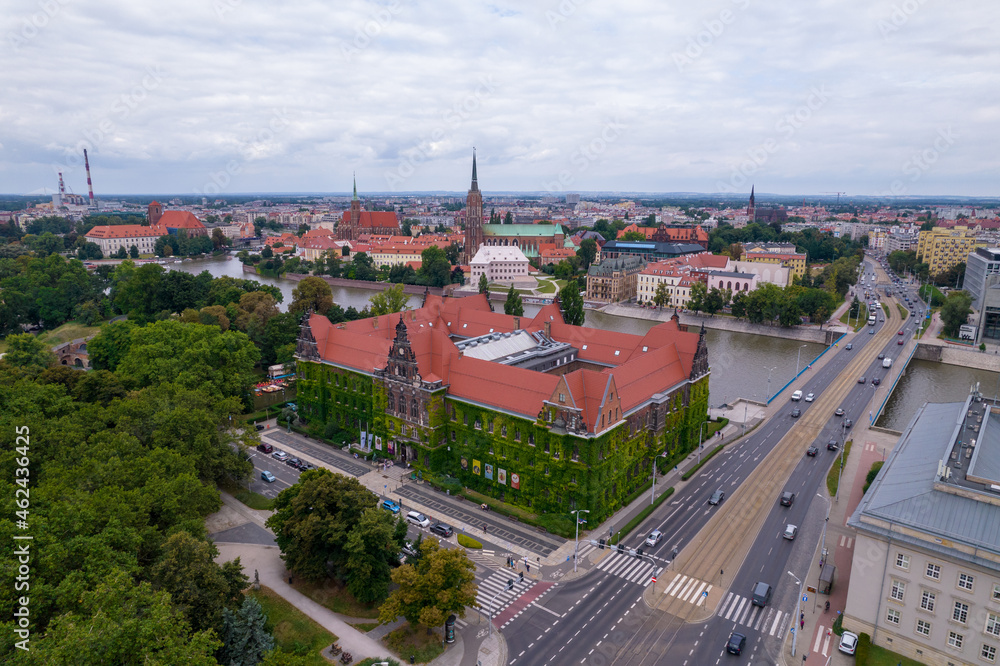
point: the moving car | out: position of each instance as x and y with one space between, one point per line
881 356
812 451
861 380
899 341
848 643
761 594
810 397
389 505
900 332
787 498
790 532
418 519
850 346
796 396
796 413
717 496
655 537
442 529
832 445
839 412
267 476
848 423
876 381
736 643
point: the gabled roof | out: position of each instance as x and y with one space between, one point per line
179 219
374 219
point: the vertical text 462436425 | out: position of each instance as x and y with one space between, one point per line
22 548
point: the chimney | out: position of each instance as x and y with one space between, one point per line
517 323
548 329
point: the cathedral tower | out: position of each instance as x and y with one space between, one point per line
473 215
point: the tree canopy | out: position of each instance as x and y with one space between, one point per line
441 582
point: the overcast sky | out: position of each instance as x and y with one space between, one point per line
231 96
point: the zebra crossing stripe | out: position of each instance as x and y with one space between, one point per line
725 604
672 583
774 626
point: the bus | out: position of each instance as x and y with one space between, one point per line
871 320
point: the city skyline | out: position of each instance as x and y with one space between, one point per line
234 98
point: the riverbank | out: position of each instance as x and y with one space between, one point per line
943 352
825 336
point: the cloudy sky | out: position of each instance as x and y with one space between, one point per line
869 97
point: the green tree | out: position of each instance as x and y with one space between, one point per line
245 639
111 345
571 304
513 304
454 254
266 252
313 519
133 251
312 293
714 301
508 218
633 236
122 253
440 583
389 300
699 293
484 285
587 252
661 297
372 550
739 306
363 267
955 312
26 351
435 270
198 586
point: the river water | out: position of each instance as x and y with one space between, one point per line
741 363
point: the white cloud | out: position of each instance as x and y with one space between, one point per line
299 95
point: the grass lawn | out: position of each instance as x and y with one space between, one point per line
293 631
858 325
65 333
336 598
416 642
878 656
364 626
546 287
903 312
833 477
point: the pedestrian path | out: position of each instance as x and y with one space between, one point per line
740 609
632 569
688 588
493 589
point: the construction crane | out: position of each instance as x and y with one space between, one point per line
837 193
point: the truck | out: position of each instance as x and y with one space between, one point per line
871 320
887 362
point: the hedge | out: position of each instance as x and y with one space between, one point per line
642 515
864 647
708 456
468 542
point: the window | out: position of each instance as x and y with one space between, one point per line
989 653
955 640
992 624
933 571
965 581
923 628
562 396
927 601
902 561
503 431
489 427
465 419
517 435
898 590
479 425
531 439
996 592
892 616
961 612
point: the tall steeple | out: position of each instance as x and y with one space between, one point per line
356 187
473 215
752 209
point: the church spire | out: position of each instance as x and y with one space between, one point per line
355 198
475 179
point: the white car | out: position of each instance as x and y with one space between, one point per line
848 643
655 537
418 519
810 397
790 532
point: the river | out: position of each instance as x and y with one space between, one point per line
740 362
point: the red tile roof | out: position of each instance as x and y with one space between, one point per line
374 219
179 219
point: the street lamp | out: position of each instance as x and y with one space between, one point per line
652 494
699 441
576 513
798 357
508 587
798 612
769 371
829 505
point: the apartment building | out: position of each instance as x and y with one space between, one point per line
614 280
941 248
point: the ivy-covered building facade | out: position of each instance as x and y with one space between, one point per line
531 411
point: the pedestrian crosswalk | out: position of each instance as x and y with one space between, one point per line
823 636
688 588
632 569
493 589
846 541
740 609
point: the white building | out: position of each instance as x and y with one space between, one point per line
502 264
764 272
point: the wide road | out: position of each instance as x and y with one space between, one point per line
685 624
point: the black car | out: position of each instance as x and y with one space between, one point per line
787 498
305 467
876 381
832 445
294 462
442 529
736 643
812 451
796 413
881 356
259 427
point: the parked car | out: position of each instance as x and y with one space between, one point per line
442 530
790 532
267 476
717 496
839 412
655 537
737 642
259 426
787 498
294 462
409 549
305 467
266 448
280 455
390 506
848 643
418 519
812 451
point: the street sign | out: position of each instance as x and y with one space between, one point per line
654 579
805 598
